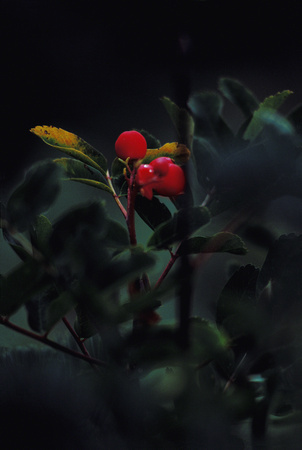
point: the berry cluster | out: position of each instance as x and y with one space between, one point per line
161 175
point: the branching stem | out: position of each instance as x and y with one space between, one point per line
44 340
115 196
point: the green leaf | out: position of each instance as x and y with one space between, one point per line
36 308
295 118
207 341
125 267
117 236
72 145
239 313
83 325
77 226
238 94
78 169
220 242
117 173
207 162
153 212
182 121
152 141
279 283
58 308
21 285
41 232
35 195
181 225
154 346
280 124
269 105
93 183
206 108
15 245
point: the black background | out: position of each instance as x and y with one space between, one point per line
98 68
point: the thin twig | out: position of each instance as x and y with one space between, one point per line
115 196
75 336
44 340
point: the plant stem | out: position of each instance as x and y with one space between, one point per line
167 269
130 219
115 196
44 340
75 336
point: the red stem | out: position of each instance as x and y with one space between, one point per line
167 269
132 191
75 336
44 340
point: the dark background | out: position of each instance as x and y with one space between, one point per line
98 68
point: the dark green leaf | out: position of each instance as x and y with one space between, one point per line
23 254
238 94
207 342
93 183
220 242
83 325
154 346
85 220
124 267
58 308
152 141
117 235
117 173
181 225
153 212
35 195
269 105
206 108
295 118
239 313
182 121
41 232
239 290
16 246
78 169
207 161
21 285
279 284
36 308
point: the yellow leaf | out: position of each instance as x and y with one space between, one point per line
72 145
178 152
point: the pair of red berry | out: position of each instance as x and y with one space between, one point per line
161 174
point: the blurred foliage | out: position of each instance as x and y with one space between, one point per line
158 392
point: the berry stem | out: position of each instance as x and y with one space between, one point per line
75 336
115 196
167 269
130 218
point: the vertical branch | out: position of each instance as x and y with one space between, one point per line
132 191
184 301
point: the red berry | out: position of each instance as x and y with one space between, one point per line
145 175
173 183
131 144
161 165
145 178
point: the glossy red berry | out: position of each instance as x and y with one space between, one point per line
173 183
131 144
161 165
145 174
145 179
